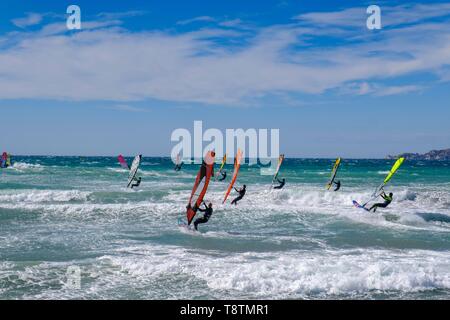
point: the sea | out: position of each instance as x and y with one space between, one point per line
71 229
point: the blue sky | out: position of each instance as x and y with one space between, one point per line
140 69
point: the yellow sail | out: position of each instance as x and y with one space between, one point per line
391 173
394 169
224 160
334 172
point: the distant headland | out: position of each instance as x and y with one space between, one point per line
432 155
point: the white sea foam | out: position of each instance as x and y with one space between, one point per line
121 170
292 275
38 196
21 166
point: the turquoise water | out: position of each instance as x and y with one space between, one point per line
299 242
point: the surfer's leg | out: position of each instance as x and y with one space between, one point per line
198 221
236 200
380 205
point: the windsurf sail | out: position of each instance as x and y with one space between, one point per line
134 168
237 165
334 173
391 173
388 178
394 169
224 160
200 186
4 160
280 161
178 160
123 162
8 160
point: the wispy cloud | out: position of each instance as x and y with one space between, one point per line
353 17
222 66
365 88
231 23
391 15
394 90
30 19
197 19
121 15
126 108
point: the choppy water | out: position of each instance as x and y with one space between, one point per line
300 242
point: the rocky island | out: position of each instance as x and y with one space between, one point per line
432 155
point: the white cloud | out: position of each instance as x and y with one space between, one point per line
365 88
121 15
29 20
126 107
196 19
394 90
352 17
390 15
106 62
231 23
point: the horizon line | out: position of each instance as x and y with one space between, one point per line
193 158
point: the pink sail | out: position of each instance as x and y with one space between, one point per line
123 162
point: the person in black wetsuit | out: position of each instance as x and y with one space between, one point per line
338 185
281 182
178 166
387 201
136 182
224 175
241 194
208 212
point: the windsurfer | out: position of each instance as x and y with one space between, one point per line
281 182
178 166
338 185
136 183
387 201
224 175
241 194
208 212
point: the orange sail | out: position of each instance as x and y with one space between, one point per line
237 165
200 185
